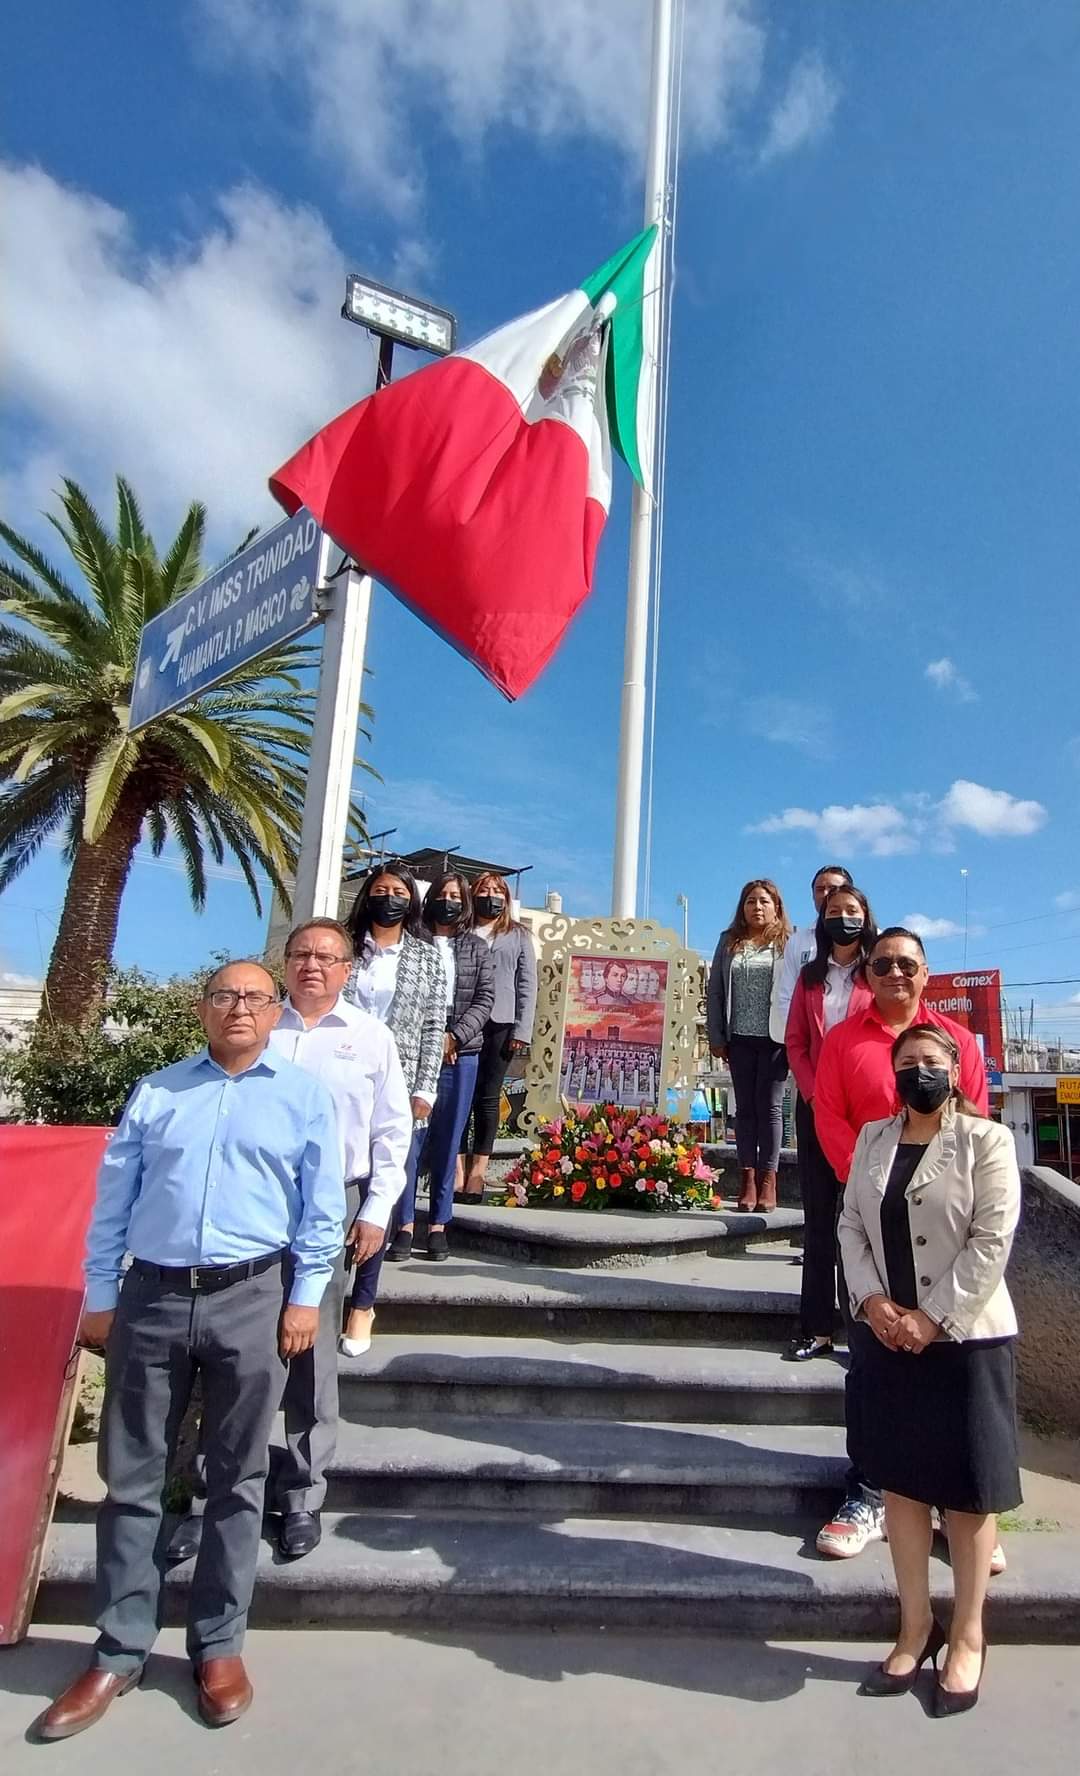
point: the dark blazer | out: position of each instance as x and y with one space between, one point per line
474 992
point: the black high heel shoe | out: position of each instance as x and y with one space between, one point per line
957 1701
883 1683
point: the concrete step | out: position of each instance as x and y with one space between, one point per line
541 1466
572 1238
412 1376
750 1299
594 1572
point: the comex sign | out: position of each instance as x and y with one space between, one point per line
259 599
973 1000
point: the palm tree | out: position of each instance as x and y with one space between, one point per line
225 774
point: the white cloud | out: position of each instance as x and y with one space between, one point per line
886 829
788 722
804 111
993 813
879 828
550 68
195 371
10 977
925 927
1069 901
944 675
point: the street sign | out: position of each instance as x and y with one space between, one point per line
1068 1088
255 602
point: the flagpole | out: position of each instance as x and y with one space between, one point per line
632 724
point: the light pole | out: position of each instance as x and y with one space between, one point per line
964 876
682 901
345 604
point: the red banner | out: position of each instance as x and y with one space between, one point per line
48 1191
973 1000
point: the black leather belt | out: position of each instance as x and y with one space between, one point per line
206 1279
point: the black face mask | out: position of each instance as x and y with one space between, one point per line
489 906
446 912
388 909
923 1088
843 928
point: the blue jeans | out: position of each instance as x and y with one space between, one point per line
440 1150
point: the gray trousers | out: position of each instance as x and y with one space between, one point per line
160 1340
310 1403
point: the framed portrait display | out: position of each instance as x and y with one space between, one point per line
617 1017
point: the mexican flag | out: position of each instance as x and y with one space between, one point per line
477 488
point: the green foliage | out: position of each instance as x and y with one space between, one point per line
66 1075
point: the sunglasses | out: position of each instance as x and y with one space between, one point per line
883 965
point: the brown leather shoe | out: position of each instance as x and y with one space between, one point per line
84 1702
766 1192
225 1692
747 1202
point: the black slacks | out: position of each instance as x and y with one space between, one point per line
821 1196
759 1072
490 1074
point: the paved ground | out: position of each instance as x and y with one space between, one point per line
553 1704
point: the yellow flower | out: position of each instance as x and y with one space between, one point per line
559 1190
510 1203
600 1185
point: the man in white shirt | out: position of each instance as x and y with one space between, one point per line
801 945
356 1058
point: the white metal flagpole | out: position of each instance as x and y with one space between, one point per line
346 602
632 725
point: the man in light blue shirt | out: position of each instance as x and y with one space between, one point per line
224 1184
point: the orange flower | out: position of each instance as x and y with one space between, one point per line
683 1168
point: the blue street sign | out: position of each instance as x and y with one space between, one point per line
252 604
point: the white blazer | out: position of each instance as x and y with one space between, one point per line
963 1205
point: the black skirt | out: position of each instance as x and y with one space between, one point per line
940 1427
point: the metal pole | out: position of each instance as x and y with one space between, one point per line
681 900
632 725
347 603
347 606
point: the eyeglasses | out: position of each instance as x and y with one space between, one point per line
224 998
883 965
322 957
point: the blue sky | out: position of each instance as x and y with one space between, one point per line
868 649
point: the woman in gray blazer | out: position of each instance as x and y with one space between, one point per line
509 1031
931 1205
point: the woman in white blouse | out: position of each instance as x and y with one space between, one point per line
397 976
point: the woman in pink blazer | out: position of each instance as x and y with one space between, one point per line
831 987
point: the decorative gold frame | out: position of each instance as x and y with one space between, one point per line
563 938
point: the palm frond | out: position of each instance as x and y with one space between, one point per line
29 813
104 782
186 828
131 533
181 568
93 549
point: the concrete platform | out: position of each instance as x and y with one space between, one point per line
454 1569
405 1375
745 1299
468 1703
574 1238
539 1465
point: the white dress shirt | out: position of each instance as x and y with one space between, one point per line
445 947
801 945
374 978
839 977
356 1058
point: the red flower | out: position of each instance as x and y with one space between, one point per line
650 1183
643 1152
577 1191
615 1183
611 1156
683 1168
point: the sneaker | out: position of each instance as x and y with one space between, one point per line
400 1247
998 1562
859 1521
804 1349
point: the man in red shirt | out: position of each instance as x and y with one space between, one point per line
854 1085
